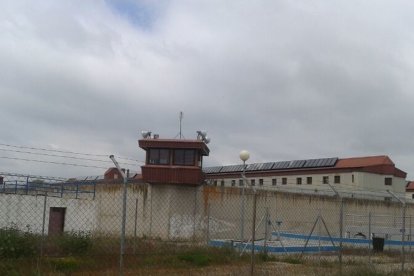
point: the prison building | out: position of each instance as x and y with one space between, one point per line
353 176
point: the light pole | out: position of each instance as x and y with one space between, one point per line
244 156
124 198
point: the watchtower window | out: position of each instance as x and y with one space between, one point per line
159 156
184 157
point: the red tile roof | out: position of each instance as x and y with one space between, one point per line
410 186
358 162
381 164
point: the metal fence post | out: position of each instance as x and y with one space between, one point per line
403 204
43 225
253 233
319 236
410 235
208 224
43 233
266 230
151 199
135 224
369 237
341 233
403 238
27 185
243 203
94 189
194 214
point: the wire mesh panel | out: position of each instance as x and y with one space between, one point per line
169 225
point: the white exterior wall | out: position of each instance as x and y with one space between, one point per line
374 182
171 212
362 182
26 212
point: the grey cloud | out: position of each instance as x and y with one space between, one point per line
283 79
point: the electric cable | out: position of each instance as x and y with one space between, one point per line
61 156
52 162
67 152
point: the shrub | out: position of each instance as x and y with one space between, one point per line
195 258
291 260
65 265
75 242
15 243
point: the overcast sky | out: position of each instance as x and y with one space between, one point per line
285 80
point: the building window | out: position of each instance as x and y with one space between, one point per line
353 179
240 182
233 183
284 181
222 183
159 156
253 182
215 182
274 181
299 181
388 181
184 157
337 179
325 179
412 196
308 180
261 181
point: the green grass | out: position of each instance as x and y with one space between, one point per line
83 254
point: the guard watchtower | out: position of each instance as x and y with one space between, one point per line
174 161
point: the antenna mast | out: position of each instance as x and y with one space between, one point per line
181 119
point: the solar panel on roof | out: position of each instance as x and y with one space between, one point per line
232 168
318 164
260 166
310 163
315 162
254 167
212 169
281 165
226 169
267 166
251 167
297 164
332 161
325 162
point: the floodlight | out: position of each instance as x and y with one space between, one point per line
146 134
201 134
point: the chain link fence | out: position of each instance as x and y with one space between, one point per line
72 225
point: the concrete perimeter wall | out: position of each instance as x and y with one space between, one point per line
172 212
